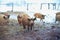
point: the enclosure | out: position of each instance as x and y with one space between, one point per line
47 28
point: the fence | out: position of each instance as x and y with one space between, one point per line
34 6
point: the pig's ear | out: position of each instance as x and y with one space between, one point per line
8 16
43 15
4 17
29 19
19 16
34 18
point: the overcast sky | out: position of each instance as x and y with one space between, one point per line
28 1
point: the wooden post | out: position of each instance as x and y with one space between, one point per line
27 6
48 5
12 7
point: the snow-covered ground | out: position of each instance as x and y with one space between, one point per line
49 18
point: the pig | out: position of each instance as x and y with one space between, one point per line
4 19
